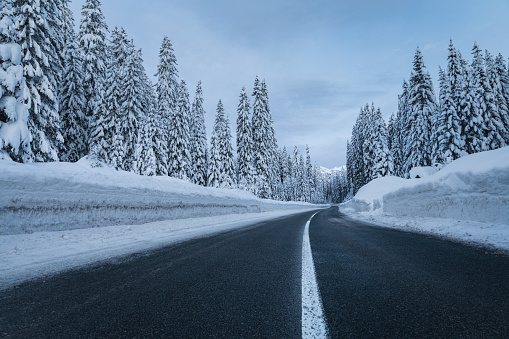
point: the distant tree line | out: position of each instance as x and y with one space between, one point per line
471 116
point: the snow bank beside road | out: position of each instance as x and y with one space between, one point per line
61 196
467 200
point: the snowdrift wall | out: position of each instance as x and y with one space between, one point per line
64 196
475 187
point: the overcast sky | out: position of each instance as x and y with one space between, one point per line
322 60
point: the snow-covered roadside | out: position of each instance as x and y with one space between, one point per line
61 196
28 256
490 235
468 201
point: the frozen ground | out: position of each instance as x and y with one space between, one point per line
468 200
57 216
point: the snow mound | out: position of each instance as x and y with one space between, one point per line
39 197
422 172
473 189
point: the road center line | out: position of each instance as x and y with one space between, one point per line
313 320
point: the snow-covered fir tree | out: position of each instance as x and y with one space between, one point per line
167 95
286 175
394 141
108 136
92 41
38 56
133 107
449 141
310 177
145 155
222 165
272 149
367 146
491 137
501 89
72 105
198 148
423 109
471 127
244 143
262 143
116 152
149 132
357 143
449 145
349 166
381 157
179 165
499 114
14 134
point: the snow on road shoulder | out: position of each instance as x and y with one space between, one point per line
28 256
490 235
468 200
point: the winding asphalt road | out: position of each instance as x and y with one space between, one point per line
373 282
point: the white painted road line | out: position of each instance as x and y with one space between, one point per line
313 320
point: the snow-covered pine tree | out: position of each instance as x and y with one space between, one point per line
178 146
55 20
423 108
14 134
349 165
114 87
167 89
222 165
116 152
450 145
213 170
357 164
199 153
262 144
454 77
67 20
301 179
244 143
491 128
297 174
502 90
227 161
133 105
145 155
38 56
403 123
286 174
471 127
92 38
368 147
72 105
272 142
318 195
499 113
149 133
310 184
381 157
394 133
101 136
